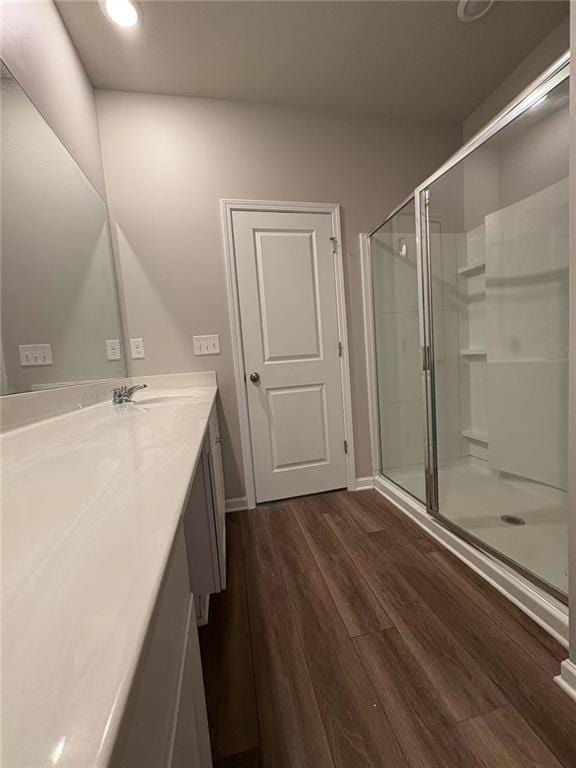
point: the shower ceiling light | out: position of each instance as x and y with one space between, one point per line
121 12
472 10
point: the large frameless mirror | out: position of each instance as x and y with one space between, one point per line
499 311
60 311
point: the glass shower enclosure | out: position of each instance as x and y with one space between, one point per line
398 341
471 319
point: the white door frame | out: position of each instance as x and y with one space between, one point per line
228 206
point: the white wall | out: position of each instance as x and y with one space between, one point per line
36 48
169 160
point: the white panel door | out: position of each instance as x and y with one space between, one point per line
287 291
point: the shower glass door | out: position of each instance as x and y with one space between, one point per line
395 288
498 319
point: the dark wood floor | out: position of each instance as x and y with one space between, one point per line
348 638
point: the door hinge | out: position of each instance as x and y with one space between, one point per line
345 446
334 244
339 349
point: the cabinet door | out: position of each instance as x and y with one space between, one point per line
165 721
192 737
218 493
145 736
200 530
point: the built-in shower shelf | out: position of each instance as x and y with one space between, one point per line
473 352
473 268
476 434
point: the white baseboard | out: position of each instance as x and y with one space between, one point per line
567 678
362 484
238 504
550 615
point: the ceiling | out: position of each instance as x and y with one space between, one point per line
400 58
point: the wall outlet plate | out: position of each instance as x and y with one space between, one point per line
137 349
113 349
206 345
35 354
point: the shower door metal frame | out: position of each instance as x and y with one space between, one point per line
538 89
424 352
426 320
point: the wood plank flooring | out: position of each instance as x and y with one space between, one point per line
348 638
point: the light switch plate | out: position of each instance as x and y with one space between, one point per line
137 348
113 350
206 345
35 354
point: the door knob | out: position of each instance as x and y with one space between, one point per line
255 377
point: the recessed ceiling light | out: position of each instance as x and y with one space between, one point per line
121 12
472 10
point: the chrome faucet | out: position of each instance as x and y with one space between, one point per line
124 394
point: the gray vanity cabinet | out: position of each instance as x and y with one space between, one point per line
165 721
218 494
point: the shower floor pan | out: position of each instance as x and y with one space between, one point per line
476 498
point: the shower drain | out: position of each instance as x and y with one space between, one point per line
512 520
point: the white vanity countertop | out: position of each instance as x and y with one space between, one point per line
90 505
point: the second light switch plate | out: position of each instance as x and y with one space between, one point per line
206 345
137 349
113 349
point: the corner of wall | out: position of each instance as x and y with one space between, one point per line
544 55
